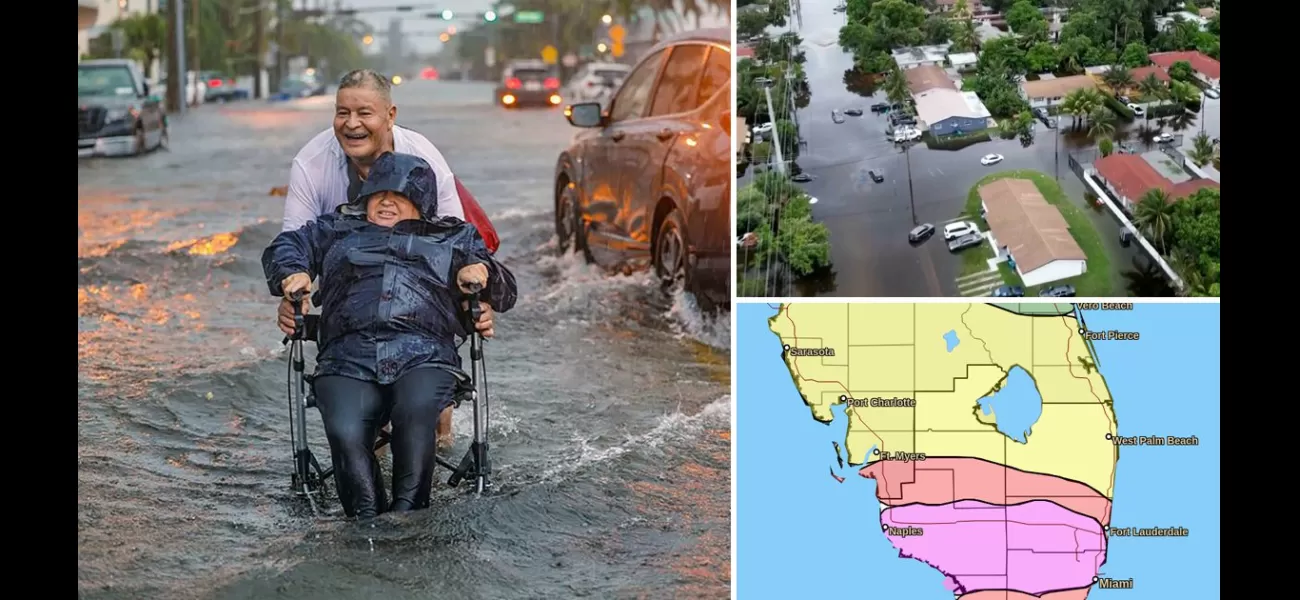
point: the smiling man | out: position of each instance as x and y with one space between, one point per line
329 171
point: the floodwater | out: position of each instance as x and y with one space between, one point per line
868 221
611 414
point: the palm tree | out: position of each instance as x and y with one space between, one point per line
896 86
1202 150
1081 103
964 38
1103 123
1119 78
1180 120
1154 213
1152 88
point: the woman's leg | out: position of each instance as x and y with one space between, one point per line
353 411
418 398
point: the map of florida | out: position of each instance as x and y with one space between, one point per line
1000 516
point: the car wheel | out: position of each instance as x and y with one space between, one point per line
670 255
569 229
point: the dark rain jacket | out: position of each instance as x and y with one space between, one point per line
389 297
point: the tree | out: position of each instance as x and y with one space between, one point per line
964 36
1118 78
1106 146
1195 229
1154 213
1202 149
144 38
937 29
1152 88
1135 55
1181 71
860 82
750 24
1103 123
1042 57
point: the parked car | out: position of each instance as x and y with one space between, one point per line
1058 291
879 107
902 119
876 176
965 241
991 159
906 134
801 178
196 90
953 231
1212 93
596 81
853 112
117 115
763 128
647 183
1164 138
1008 291
920 233
836 116
1137 109
221 88
528 83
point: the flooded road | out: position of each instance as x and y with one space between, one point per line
610 401
869 222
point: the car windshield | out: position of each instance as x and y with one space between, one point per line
611 74
105 81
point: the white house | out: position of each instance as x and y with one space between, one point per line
1048 90
1166 22
1024 228
919 56
963 61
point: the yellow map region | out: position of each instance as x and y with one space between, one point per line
838 352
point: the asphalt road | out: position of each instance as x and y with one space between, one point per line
869 221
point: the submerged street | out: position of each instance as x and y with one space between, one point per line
610 400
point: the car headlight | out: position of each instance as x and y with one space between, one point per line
117 114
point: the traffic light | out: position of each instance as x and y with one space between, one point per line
447 15
490 16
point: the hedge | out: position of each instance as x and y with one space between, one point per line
1124 113
1164 110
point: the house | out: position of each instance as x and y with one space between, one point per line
948 6
1166 22
987 32
919 56
1023 227
1208 13
964 61
744 51
927 77
1129 176
946 111
1205 68
1051 90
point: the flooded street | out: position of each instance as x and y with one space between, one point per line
610 406
868 221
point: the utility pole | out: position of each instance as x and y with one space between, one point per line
279 45
911 195
194 47
259 43
776 137
176 80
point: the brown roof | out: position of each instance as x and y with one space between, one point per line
1208 13
1133 176
1200 63
1059 87
1141 73
927 77
1032 230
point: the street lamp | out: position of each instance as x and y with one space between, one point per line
607 19
447 15
368 40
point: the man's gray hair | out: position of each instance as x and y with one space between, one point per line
370 79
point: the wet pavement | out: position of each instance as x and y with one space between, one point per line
610 417
869 222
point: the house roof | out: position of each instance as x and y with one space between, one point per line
960 59
744 51
937 104
1141 73
1208 13
927 77
918 54
1132 175
1058 87
1200 63
1032 230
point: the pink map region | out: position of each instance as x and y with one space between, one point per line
941 480
1034 548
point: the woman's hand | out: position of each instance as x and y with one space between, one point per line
298 282
472 278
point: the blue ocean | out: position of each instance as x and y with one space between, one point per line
801 534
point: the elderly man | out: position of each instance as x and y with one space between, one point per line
329 171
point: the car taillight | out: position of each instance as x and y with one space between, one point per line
513 83
214 83
591 83
551 83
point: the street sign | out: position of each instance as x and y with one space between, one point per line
570 60
617 49
549 54
617 33
530 16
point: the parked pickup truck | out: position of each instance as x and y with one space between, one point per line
116 116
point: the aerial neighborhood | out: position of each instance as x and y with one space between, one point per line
1061 148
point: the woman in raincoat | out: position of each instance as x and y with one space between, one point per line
393 276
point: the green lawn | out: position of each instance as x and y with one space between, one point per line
1097 280
976 260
